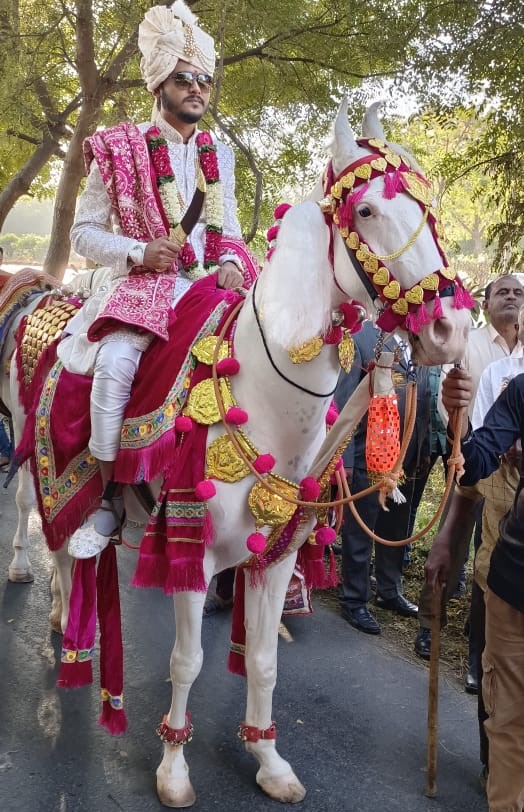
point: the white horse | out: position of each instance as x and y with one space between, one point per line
295 297
20 569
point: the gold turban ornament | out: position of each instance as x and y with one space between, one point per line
169 34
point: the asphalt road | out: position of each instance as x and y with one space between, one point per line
351 714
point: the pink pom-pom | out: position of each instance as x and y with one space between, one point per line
437 308
339 464
236 415
264 463
270 254
333 336
183 424
331 415
205 490
309 489
281 210
325 535
352 314
272 233
228 366
256 543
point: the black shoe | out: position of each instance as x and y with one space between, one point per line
460 592
361 619
471 683
423 643
398 604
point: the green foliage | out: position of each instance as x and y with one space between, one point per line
24 248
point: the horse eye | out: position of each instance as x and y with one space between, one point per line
364 211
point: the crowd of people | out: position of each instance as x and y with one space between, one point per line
476 512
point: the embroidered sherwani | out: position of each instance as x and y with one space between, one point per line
106 229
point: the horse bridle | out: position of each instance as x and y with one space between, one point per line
400 307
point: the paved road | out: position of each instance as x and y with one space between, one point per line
351 715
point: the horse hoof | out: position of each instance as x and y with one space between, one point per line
20 576
176 794
55 622
285 788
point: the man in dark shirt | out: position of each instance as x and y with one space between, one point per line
503 659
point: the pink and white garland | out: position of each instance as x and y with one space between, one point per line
171 199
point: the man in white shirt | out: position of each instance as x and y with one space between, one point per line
141 182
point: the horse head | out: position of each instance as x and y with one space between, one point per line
378 210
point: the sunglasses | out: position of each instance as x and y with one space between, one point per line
186 77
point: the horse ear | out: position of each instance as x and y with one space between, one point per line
371 126
344 144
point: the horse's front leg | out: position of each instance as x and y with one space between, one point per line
173 785
20 570
60 589
263 610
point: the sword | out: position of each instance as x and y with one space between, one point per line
179 234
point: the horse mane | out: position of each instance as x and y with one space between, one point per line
296 284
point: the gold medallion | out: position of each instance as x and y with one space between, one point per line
202 404
306 351
268 508
204 350
223 461
346 351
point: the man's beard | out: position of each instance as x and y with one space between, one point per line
186 116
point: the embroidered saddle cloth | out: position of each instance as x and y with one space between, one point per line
66 476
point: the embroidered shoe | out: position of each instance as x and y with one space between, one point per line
87 542
94 536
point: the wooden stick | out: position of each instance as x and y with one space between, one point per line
431 784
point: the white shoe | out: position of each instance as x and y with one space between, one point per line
87 542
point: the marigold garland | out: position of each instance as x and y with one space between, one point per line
173 204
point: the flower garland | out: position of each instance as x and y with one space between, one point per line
173 203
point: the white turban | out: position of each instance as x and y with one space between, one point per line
169 34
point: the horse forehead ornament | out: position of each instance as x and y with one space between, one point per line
402 308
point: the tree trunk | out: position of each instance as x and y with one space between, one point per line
23 179
72 173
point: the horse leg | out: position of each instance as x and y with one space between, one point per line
61 579
263 610
20 570
173 785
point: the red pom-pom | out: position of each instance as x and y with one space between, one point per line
281 210
264 463
331 415
272 233
325 535
333 336
205 490
256 543
309 489
228 366
183 424
352 314
236 415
